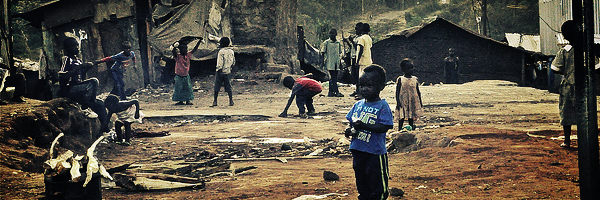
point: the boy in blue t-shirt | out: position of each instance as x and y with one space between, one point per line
370 119
122 60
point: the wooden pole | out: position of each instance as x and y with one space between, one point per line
587 124
301 43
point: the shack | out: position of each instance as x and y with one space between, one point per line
263 30
427 45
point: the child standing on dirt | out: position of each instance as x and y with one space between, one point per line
564 64
331 50
122 60
127 113
183 90
225 60
304 89
409 104
370 119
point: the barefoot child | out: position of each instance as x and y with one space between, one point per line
127 113
408 97
370 118
564 64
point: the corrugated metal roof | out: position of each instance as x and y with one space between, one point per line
528 42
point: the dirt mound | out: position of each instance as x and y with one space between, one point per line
29 130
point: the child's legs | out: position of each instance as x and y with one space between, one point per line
371 172
309 101
300 102
127 131
118 125
302 97
119 87
411 122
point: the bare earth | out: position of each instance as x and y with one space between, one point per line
479 140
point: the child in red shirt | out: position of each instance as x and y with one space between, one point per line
304 89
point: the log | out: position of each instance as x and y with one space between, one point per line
273 158
168 177
133 183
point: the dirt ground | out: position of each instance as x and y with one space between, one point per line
478 140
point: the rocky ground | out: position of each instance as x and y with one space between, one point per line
478 140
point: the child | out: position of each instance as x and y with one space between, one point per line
127 113
408 96
564 64
304 89
370 119
451 67
183 85
225 60
122 61
73 85
331 50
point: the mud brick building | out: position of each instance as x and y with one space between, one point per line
427 45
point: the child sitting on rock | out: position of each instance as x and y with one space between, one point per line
127 113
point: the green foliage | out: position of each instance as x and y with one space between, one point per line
505 16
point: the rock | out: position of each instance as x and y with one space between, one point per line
330 176
396 192
286 147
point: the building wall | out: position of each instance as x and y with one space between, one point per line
479 58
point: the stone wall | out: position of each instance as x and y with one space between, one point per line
267 22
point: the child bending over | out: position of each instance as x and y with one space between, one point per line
127 113
304 89
370 119
408 97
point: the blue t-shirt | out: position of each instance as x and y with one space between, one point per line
122 61
370 113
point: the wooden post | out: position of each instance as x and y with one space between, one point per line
301 49
523 67
587 124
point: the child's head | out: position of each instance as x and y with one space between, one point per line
224 42
569 30
366 28
332 34
288 82
71 46
371 82
111 102
358 28
407 66
126 48
182 49
451 51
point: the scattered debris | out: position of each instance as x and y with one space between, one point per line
311 197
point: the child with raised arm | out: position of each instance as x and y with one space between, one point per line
122 60
370 119
409 104
127 113
303 89
183 91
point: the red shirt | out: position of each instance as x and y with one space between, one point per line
182 64
311 84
